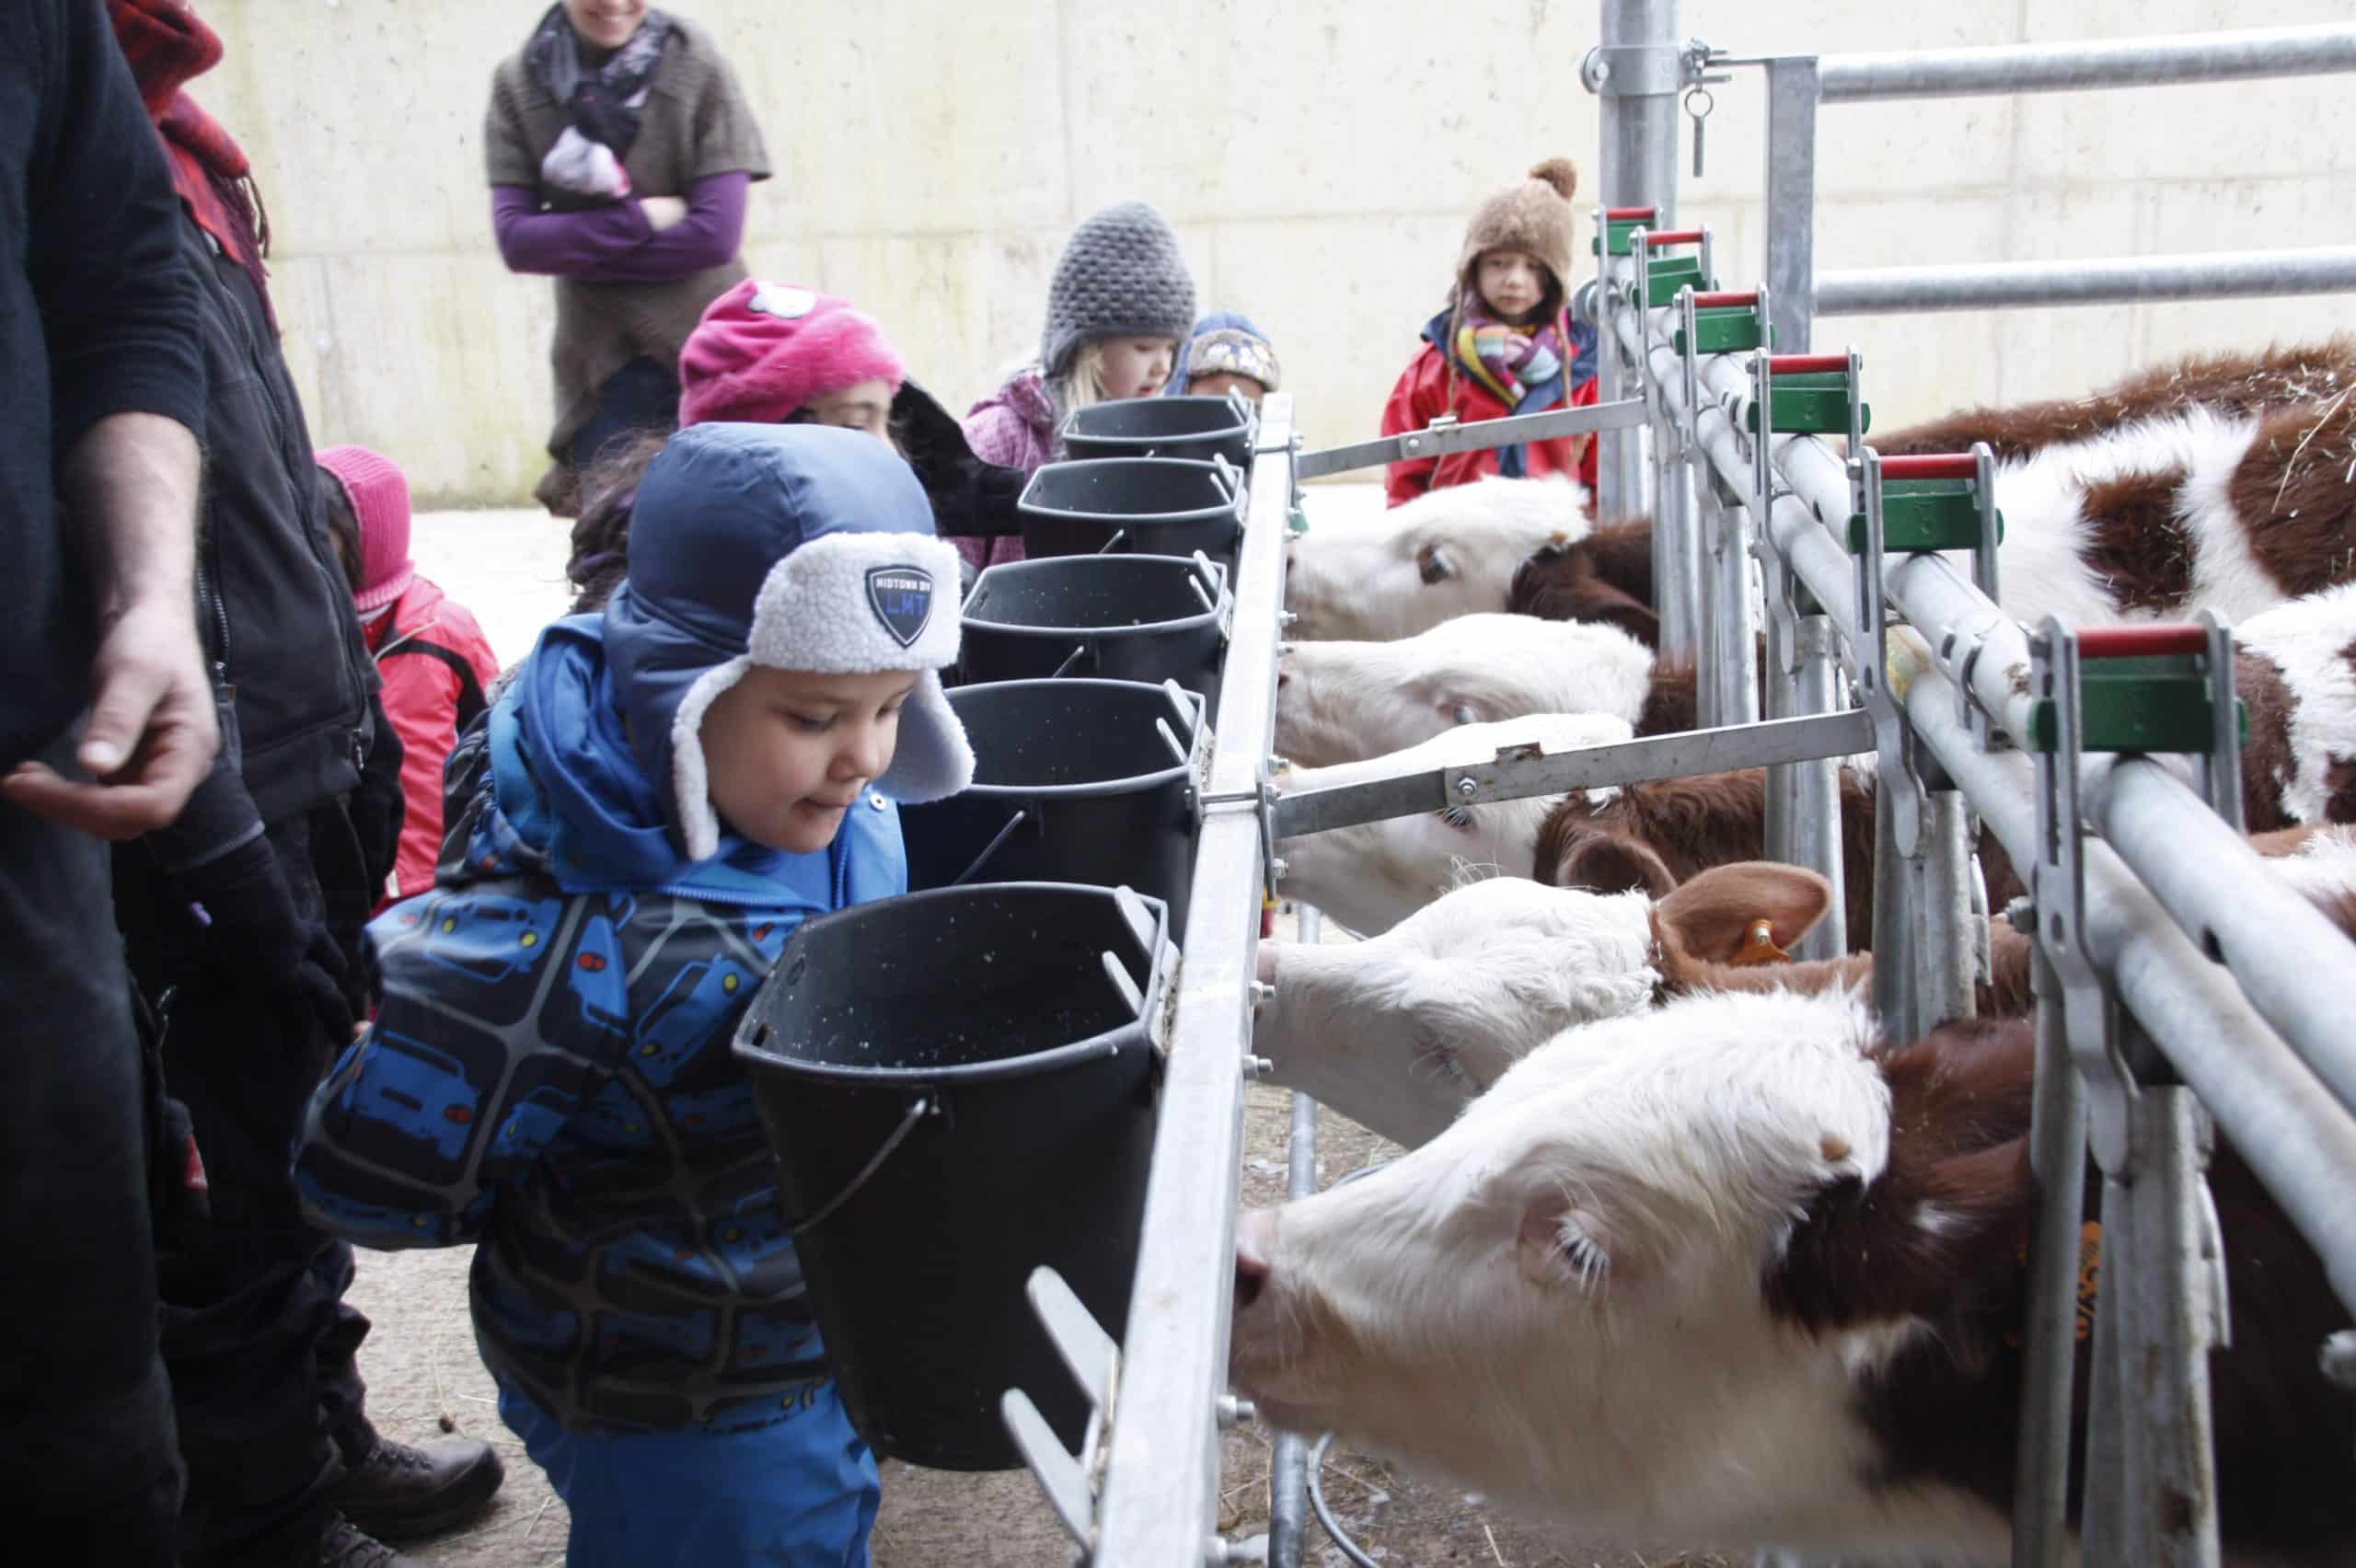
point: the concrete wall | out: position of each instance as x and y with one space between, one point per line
1318 157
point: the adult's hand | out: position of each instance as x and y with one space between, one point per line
662 211
129 486
151 735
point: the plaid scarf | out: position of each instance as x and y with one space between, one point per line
1511 362
604 104
169 47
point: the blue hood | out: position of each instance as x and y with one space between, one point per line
555 784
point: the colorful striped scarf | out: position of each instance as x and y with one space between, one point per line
1510 361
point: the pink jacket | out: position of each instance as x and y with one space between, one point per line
1016 426
435 666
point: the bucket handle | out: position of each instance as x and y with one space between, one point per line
923 1107
1079 651
1228 479
1189 716
1161 727
1113 544
1212 586
991 848
1201 593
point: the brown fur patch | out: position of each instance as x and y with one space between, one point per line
2267 764
1946 1407
2136 541
1606 577
1715 819
2294 491
2230 384
1674 704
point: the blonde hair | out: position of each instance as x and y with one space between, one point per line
1082 385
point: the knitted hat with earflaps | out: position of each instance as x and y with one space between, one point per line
1120 276
1533 216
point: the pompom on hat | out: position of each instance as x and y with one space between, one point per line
1533 216
764 349
379 497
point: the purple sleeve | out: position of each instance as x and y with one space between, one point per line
615 243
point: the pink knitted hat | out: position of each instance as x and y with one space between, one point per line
764 349
379 497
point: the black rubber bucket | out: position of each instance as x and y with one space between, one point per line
1135 505
1074 781
961 1086
1122 618
1195 428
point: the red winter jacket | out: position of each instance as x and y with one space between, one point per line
435 666
1421 396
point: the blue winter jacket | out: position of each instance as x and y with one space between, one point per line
550 1075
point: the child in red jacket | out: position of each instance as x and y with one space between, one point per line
431 655
1506 343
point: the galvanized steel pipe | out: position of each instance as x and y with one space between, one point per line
2330 269
2073 67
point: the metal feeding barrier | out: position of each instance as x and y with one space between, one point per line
2177 981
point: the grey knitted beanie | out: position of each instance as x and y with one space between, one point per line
1120 275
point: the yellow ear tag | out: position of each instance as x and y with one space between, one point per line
1759 946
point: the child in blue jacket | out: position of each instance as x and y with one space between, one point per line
663 792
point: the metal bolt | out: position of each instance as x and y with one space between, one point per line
1285 619
2021 914
1256 1067
1234 1412
1466 789
1262 993
1279 869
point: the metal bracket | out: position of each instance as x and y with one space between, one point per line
1633 70
1445 437
1070 1480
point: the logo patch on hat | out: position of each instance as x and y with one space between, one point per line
785 302
901 597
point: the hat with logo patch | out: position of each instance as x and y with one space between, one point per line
795 547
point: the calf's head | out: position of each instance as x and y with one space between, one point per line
1449 553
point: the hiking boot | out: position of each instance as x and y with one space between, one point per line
344 1547
399 1492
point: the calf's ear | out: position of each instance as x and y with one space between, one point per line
1605 863
1433 565
1712 916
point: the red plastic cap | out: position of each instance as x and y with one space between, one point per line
1620 215
1673 236
1722 297
1794 365
1932 466
2140 641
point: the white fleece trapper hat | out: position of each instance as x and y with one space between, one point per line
794 547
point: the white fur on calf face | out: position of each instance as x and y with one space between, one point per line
1371 876
1449 553
1400 1031
1345 701
2310 640
1559 1299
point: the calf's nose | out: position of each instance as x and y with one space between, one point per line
1250 1258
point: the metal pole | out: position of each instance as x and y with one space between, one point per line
1816 827
1894 882
2330 269
2071 67
1637 71
2049 1368
1946 962
2102 1527
1792 95
1676 559
1289 1465
2170 1314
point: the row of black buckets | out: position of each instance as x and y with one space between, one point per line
962 1084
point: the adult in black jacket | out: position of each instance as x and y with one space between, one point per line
243 923
101 403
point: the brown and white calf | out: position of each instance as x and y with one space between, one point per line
1370 876
1737 1274
1446 553
2154 502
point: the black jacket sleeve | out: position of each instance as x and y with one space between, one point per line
117 305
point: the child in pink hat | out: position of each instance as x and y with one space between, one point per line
430 654
778 353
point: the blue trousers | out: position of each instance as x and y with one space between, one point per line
802 1491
